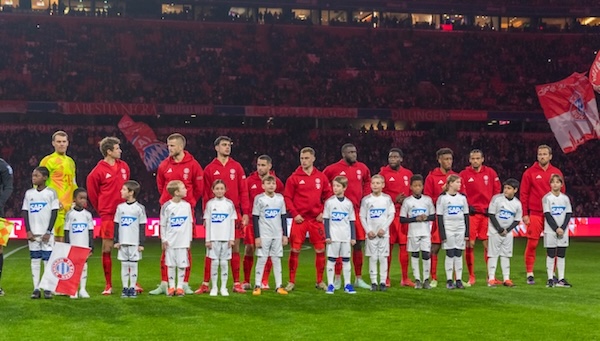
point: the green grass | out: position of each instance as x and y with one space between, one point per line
480 313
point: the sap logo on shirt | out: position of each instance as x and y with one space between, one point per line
415 212
505 214
127 221
454 210
36 207
375 213
338 216
218 217
177 222
79 227
271 213
557 210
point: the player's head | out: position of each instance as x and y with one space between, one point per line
80 197
544 155
110 147
269 184
453 184
223 146
39 176
130 190
176 189
476 158
416 184
510 187
307 157
556 182
60 142
349 153
339 185
176 144
264 163
445 156
377 183
219 188
395 158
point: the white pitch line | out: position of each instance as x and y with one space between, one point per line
15 251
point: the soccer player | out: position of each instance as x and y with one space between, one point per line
225 168
40 208
305 193
376 214
182 166
6 189
557 214
434 186
255 182
534 185
340 233
505 213
219 219
480 184
452 212
62 178
359 185
269 218
176 235
104 185
79 231
417 211
129 235
397 186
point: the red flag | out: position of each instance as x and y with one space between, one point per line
595 73
151 151
571 110
63 273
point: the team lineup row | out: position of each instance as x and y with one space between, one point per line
304 198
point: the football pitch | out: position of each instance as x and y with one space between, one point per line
478 313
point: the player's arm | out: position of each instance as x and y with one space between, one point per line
497 183
404 219
441 228
25 215
524 192
54 213
466 210
90 234
391 213
568 215
142 235
67 228
492 210
548 214
366 182
116 233
353 230
327 231
164 216
198 182
93 188
362 214
284 224
280 187
160 180
327 191
428 186
255 226
6 174
288 195
244 195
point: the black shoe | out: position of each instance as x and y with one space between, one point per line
418 284
36 294
555 280
459 284
374 287
125 293
450 285
530 280
563 284
132 293
550 283
382 287
426 284
47 294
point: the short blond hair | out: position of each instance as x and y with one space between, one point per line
307 150
173 186
59 133
342 180
177 136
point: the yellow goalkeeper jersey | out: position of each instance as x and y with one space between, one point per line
62 177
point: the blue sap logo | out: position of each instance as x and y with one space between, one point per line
79 227
271 213
504 214
218 217
454 210
127 221
177 221
35 207
338 216
375 213
415 212
557 210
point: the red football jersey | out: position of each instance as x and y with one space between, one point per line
359 179
104 185
480 186
305 194
254 183
434 183
188 171
234 178
396 182
534 185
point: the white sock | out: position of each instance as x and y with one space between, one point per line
458 267
373 269
259 270
449 266
214 273
36 266
426 269
560 267
224 273
505 264
83 281
414 262
383 268
133 274
171 275
330 272
550 267
492 265
125 274
276 261
346 271
180 277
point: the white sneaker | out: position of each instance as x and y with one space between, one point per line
361 284
337 283
214 292
83 294
434 284
187 290
224 292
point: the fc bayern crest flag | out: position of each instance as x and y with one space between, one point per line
151 151
63 272
571 110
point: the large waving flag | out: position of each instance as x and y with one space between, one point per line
571 110
151 151
5 231
63 273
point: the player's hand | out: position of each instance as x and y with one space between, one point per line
165 245
208 245
46 237
400 198
371 235
245 220
284 241
320 218
560 232
30 236
380 233
140 248
423 217
257 243
298 219
503 233
526 220
467 239
117 246
231 243
328 241
352 242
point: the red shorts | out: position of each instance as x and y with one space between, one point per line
316 234
249 235
478 227
360 231
435 233
107 229
535 227
398 232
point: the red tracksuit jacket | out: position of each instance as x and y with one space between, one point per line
306 194
480 187
434 183
534 185
396 182
254 183
104 185
188 170
234 177
359 179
